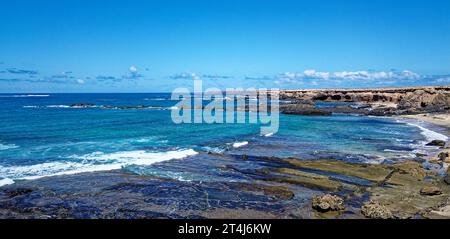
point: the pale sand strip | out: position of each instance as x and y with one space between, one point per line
437 119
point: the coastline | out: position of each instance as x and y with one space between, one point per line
442 121
112 186
248 184
439 119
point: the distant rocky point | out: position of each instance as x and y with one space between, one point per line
376 101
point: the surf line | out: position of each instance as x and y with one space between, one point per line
234 108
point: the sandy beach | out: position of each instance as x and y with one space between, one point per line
437 119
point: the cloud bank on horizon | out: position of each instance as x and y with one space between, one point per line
289 80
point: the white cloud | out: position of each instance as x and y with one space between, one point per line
313 74
80 81
133 69
132 73
313 77
443 80
376 75
350 75
186 76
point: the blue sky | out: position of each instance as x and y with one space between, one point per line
154 46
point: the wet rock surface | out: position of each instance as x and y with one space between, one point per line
118 195
302 109
280 188
375 210
438 143
430 191
447 179
443 156
447 176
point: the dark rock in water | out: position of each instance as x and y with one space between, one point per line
134 107
279 192
82 105
346 109
303 102
327 203
388 111
447 179
420 155
439 143
442 156
17 192
430 191
302 109
375 210
115 194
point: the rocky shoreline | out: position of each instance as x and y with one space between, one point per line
428 104
376 102
284 188
280 188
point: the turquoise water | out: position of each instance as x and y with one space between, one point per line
41 136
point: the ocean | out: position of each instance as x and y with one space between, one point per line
41 135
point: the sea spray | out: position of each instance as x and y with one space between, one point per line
93 162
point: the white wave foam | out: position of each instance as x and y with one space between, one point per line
268 134
145 139
239 144
30 106
213 149
371 159
158 99
37 95
93 162
396 151
8 146
22 96
6 181
429 134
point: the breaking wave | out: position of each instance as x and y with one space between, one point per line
93 162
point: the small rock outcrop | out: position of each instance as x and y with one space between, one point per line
430 191
447 179
443 156
18 192
327 203
438 143
302 109
375 210
82 105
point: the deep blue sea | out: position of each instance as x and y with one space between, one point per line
40 135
